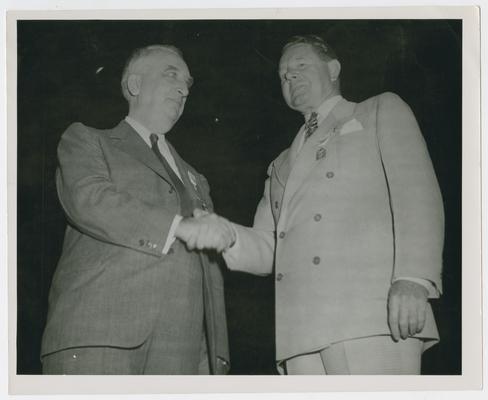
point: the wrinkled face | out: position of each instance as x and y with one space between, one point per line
160 81
306 80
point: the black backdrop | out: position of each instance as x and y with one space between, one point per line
235 122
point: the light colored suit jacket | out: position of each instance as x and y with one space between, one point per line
111 279
358 206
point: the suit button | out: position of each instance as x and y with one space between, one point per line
317 217
279 276
277 204
141 242
329 174
316 260
171 190
282 235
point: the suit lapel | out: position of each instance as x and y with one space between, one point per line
284 166
181 165
189 176
128 140
300 165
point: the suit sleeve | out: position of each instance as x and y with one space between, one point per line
94 204
253 251
415 198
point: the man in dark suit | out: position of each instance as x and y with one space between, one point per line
352 221
128 297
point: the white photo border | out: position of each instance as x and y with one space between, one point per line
471 377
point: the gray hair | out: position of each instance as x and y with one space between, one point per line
319 45
141 53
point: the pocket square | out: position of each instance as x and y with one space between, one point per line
351 126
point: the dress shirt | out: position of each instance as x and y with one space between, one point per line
322 112
144 133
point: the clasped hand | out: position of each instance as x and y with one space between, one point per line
206 231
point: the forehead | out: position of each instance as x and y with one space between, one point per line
161 59
298 51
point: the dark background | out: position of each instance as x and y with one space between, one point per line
235 122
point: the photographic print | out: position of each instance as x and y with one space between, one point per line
253 196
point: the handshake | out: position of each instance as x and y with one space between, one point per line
205 231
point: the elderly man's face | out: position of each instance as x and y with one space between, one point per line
163 82
305 78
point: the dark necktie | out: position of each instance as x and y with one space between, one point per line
185 199
311 125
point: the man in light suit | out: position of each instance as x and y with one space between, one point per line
128 297
352 220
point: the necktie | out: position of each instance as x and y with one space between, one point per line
180 188
311 125
155 148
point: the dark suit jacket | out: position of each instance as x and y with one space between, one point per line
111 278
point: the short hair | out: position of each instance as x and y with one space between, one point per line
319 45
139 53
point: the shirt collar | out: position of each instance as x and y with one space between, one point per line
143 132
326 107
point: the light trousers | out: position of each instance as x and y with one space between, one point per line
374 355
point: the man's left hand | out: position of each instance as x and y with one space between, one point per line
407 304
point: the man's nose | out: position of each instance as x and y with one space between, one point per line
291 75
183 89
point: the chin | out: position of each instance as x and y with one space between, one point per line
300 108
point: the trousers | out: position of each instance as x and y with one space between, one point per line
375 355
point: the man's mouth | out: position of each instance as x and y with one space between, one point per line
298 90
178 102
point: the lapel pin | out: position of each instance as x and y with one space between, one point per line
320 153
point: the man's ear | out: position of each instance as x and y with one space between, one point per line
133 84
334 69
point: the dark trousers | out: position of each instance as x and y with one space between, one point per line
176 344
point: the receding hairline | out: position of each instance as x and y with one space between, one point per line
143 53
316 42
149 51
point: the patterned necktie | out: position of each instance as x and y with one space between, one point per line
311 125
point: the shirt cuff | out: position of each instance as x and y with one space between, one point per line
171 234
232 253
431 288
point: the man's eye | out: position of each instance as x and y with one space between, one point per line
171 74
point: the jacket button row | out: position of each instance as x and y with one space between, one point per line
317 217
282 235
329 174
316 260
